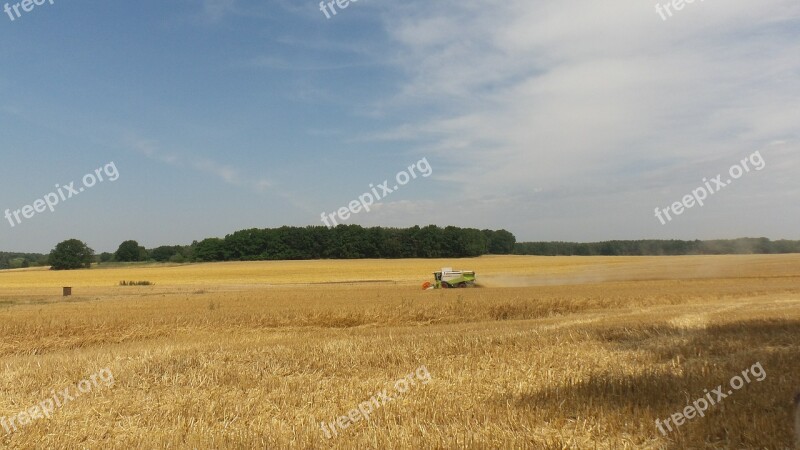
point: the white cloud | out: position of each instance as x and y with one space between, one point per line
598 104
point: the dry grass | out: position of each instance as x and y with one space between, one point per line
554 353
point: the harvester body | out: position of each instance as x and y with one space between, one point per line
449 278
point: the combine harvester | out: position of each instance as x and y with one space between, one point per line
449 278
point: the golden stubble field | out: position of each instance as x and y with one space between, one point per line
550 353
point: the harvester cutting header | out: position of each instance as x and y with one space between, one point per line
449 278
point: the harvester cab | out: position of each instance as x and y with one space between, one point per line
449 278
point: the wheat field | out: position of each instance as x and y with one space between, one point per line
549 352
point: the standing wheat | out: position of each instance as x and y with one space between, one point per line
797 420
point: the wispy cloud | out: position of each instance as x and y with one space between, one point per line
215 10
223 172
279 63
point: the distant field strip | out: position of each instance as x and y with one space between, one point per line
499 271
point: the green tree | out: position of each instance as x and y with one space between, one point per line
211 249
177 258
130 251
164 253
501 242
71 254
430 240
245 244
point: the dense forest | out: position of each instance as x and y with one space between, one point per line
352 242
659 247
317 242
312 242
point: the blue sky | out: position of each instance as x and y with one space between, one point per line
554 120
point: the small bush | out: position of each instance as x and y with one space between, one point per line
136 283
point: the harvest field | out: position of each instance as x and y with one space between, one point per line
550 352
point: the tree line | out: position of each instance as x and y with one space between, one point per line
354 242
10 260
302 243
652 247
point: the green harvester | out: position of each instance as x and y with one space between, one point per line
449 278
